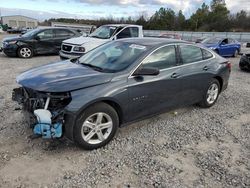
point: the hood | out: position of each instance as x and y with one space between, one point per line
81 40
61 77
14 38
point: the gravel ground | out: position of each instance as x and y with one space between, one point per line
190 147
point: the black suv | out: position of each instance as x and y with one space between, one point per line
37 41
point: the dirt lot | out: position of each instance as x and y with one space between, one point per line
193 148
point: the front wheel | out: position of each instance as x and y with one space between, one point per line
211 95
96 126
25 52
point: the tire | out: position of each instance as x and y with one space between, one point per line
25 52
89 131
212 91
236 53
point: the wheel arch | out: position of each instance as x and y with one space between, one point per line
25 45
111 102
220 80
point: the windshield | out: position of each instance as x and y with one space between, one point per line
113 57
30 33
103 32
211 40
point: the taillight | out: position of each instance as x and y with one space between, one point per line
228 64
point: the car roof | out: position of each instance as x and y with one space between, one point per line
122 25
153 41
55 28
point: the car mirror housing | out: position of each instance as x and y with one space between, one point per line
146 71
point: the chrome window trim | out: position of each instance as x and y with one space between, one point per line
177 66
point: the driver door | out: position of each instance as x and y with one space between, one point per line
154 93
225 48
45 42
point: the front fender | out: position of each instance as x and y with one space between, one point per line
82 99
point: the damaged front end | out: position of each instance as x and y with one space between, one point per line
45 110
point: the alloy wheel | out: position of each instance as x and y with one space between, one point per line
25 52
97 128
212 93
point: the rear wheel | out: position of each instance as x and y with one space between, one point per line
25 52
96 126
211 95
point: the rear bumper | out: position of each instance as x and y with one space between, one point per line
69 55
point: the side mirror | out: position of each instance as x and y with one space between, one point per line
146 71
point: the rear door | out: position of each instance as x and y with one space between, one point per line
61 35
196 67
152 94
44 42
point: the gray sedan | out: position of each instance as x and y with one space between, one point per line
120 82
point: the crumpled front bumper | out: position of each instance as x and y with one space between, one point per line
32 101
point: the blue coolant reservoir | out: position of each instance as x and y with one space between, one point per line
44 127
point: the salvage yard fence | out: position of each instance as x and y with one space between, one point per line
192 36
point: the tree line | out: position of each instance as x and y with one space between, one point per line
213 17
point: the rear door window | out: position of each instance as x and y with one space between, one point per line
63 33
190 54
206 54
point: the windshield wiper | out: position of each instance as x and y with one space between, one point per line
100 69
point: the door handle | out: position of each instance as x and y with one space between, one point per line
175 75
205 68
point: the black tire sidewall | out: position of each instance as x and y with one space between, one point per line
19 49
99 107
204 102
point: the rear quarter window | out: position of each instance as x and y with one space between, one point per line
206 54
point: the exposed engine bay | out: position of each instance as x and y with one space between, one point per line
46 110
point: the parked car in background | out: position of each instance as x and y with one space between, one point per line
13 30
244 63
87 99
170 36
37 41
26 29
76 47
223 46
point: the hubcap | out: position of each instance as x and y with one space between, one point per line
25 52
212 93
97 128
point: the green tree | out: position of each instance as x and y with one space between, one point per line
198 20
180 24
219 16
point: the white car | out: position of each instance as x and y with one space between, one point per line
76 47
